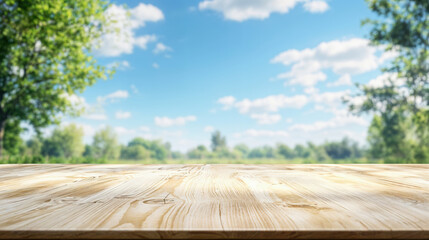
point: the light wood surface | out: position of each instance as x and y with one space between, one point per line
214 201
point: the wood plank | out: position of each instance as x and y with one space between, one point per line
214 201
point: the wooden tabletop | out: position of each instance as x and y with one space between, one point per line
214 201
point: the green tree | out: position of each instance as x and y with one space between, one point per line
318 152
269 152
392 136
88 152
301 151
402 27
34 146
135 152
177 155
199 152
218 141
13 143
157 149
243 148
257 153
64 142
105 144
45 56
339 150
285 151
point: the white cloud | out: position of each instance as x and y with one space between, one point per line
343 57
330 98
134 88
155 65
316 6
160 47
95 116
144 128
311 90
164 134
271 103
78 103
119 65
344 80
262 133
120 94
88 130
168 122
120 37
336 122
227 102
86 110
260 108
386 79
122 115
265 118
241 10
144 40
209 129
123 131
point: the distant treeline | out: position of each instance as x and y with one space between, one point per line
65 145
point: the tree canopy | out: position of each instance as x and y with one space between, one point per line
401 103
45 57
218 141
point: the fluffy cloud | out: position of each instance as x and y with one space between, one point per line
123 131
144 128
120 94
128 133
329 98
95 116
119 65
168 122
336 122
381 81
262 133
265 118
86 110
343 57
120 36
316 6
271 103
78 103
227 102
241 10
386 79
209 129
155 65
260 108
122 115
160 47
344 80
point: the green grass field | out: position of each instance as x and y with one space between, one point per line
240 161
83 160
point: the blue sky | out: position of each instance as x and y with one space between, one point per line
261 72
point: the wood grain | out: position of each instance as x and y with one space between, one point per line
214 201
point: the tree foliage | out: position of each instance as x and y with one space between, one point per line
12 143
45 57
105 144
64 142
401 105
154 149
218 141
